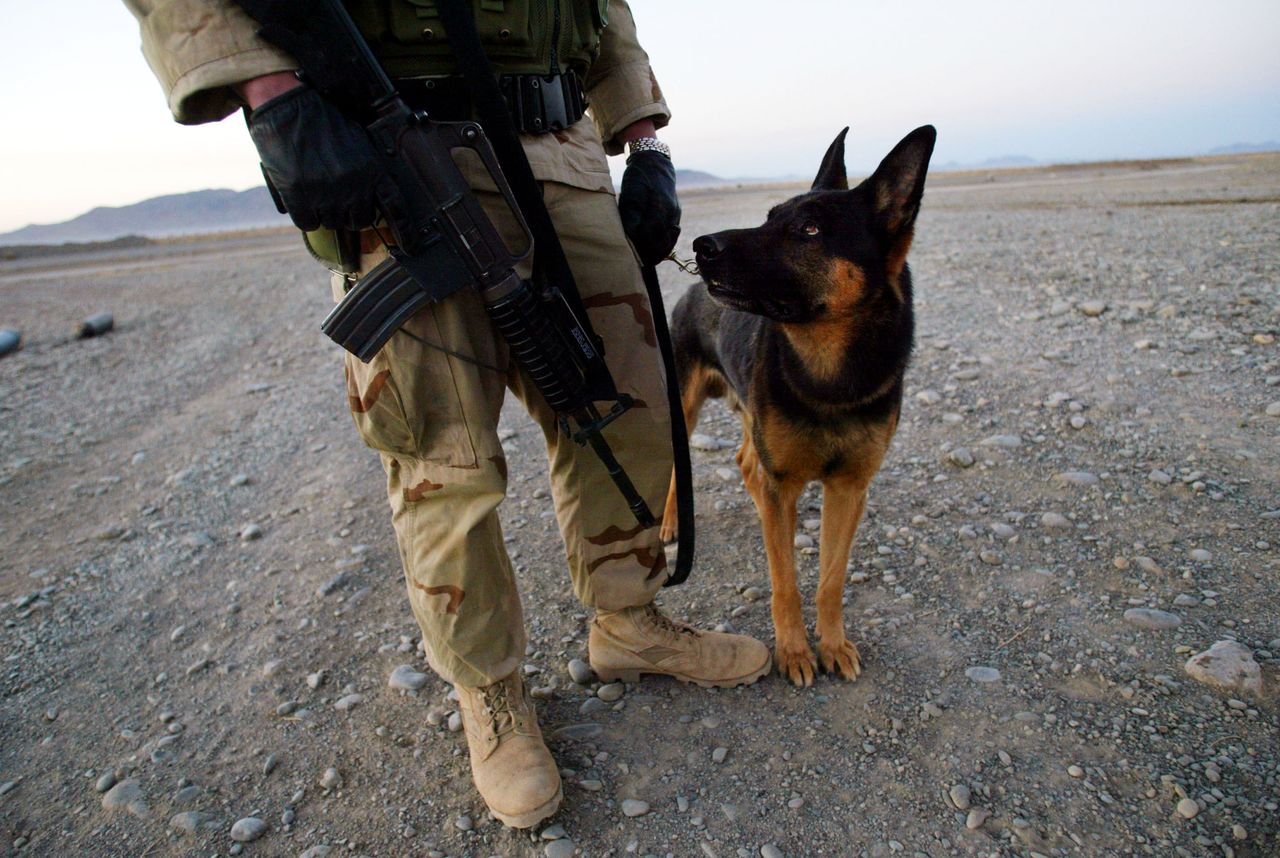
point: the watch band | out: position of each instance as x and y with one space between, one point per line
648 144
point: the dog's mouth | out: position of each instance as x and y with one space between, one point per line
734 299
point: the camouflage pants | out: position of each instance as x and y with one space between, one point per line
429 403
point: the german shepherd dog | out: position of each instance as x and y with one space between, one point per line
805 323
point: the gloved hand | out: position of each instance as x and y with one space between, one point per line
649 207
324 166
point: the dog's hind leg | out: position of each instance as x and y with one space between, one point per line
843 502
695 387
776 502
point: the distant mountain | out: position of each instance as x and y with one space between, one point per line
1241 148
174 214
997 163
699 179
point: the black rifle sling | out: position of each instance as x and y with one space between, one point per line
495 117
460 28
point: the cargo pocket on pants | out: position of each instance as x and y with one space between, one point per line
406 401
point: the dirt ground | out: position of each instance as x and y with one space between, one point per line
192 537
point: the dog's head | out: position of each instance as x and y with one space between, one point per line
829 252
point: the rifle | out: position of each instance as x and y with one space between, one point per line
443 239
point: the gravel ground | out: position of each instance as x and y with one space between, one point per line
203 606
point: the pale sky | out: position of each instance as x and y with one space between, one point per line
757 88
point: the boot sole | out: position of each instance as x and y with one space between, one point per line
532 817
633 675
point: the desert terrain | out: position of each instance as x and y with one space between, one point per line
203 606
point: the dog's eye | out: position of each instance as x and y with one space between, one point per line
809 229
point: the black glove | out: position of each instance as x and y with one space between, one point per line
648 205
323 165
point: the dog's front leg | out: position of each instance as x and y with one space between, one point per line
843 502
777 501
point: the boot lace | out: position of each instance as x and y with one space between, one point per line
499 707
667 624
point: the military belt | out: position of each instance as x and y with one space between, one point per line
538 103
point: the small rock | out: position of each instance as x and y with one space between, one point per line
699 441
351 701
1056 521
248 829
961 457
1188 808
197 539
1092 309
634 807
976 817
612 692
553 832
315 680
960 796
464 823
239 480
1226 665
770 851
272 667
1075 771
1006 441
1077 478
982 674
250 532
580 672
106 782
804 540
126 795
454 724
718 755
331 779
1153 619
562 848
1159 477
192 821
1200 555
405 678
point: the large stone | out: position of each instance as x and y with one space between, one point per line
1226 665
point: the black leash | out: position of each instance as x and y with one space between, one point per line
679 433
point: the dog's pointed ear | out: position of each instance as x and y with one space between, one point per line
831 175
897 185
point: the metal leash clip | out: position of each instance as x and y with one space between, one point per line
688 266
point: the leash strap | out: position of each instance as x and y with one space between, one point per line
679 433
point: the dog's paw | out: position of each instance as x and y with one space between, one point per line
796 663
668 532
840 657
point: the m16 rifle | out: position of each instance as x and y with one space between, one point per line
443 240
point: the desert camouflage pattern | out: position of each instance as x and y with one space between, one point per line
429 402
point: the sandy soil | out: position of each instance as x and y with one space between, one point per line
1092 425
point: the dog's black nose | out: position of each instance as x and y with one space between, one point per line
708 246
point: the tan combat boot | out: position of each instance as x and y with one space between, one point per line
510 764
624 644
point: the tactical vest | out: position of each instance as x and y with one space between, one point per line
519 36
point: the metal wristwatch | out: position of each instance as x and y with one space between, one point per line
648 144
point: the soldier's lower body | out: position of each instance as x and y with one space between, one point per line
430 403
